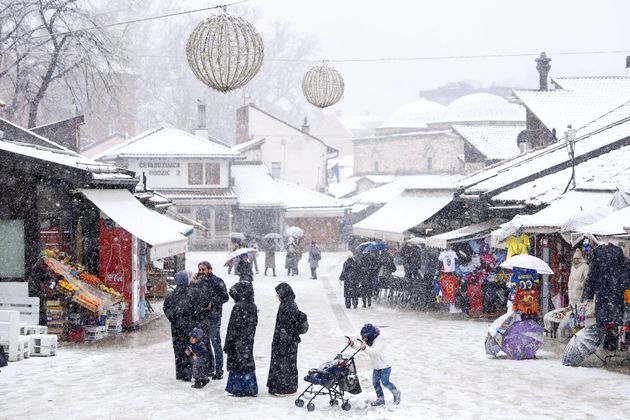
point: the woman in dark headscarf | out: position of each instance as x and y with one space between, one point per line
290 323
239 342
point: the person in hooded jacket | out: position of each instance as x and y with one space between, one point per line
283 373
244 268
180 308
373 343
350 278
239 342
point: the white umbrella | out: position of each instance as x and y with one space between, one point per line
527 261
237 235
239 252
294 231
272 236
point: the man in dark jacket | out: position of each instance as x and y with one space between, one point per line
213 296
181 307
350 278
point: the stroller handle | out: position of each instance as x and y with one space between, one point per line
348 345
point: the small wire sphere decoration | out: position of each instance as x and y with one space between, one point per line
322 86
225 52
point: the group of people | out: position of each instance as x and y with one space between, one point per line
194 309
361 273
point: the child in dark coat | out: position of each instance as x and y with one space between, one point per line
198 352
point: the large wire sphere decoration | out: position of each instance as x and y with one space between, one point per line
322 86
225 52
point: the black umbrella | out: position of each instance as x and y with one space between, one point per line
582 345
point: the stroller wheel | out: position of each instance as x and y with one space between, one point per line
333 402
310 407
299 402
346 406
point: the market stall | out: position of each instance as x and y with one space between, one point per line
80 305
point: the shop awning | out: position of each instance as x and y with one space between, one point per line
390 222
467 233
162 233
611 225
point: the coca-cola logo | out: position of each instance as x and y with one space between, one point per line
114 278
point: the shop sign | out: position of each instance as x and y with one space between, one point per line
161 168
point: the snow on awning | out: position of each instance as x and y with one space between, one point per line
476 231
611 225
399 215
162 233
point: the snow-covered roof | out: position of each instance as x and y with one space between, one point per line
168 141
492 141
251 144
360 122
98 170
301 200
255 188
611 225
415 114
466 233
402 213
482 107
400 183
608 171
578 102
610 130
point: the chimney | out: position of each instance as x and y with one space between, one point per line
201 130
305 127
543 68
242 124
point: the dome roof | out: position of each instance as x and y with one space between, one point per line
482 107
415 114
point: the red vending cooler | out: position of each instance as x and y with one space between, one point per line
115 266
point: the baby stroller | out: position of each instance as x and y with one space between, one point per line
333 378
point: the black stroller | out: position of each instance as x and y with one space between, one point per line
334 378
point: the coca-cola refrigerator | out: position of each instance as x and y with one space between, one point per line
119 267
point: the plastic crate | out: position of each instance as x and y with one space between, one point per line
43 344
94 333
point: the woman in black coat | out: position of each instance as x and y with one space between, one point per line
181 307
283 373
244 268
239 342
350 278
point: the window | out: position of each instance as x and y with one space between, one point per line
195 173
204 173
213 173
12 248
429 163
276 169
221 221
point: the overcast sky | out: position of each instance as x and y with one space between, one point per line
348 29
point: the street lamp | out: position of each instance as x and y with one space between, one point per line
569 137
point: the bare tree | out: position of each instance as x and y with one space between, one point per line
54 44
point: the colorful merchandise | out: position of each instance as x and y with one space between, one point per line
517 245
526 302
448 285
523 278
448 258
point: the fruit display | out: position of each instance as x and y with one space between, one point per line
111 291
89 278
87 301
66 288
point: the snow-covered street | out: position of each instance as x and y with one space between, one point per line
439 364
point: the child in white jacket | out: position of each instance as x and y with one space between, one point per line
374 345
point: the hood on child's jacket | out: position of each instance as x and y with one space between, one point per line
196 333
369 332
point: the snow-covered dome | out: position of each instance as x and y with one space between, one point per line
415 114
482 107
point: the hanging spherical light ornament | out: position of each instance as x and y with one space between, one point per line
322 86
225 52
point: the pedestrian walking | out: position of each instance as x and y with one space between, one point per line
368 267
213 296
244 268
290 261
373 343
270 256
239 342
290 324
314 255
198 352
181 307
349 277
253 255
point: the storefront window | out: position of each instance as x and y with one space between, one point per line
195 173
213 174
221 221
11 248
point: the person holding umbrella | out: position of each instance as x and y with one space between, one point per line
350 279
290 261
244 268
314 255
